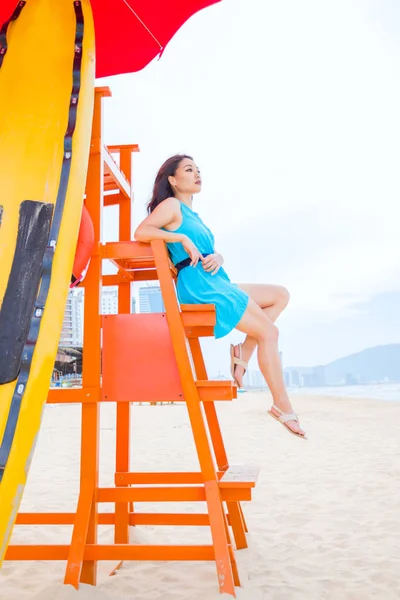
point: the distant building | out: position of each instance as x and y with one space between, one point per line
350 379
254 379
306 380
294 377
109 300
150 300
319 378
72 330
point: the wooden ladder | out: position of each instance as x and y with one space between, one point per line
143 358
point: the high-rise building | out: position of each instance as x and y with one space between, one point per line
72 330
150 299
109 300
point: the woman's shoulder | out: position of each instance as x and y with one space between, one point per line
171 203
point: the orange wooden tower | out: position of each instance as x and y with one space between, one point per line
144 357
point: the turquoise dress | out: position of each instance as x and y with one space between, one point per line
197 286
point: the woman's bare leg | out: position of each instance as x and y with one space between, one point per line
272 299
260 327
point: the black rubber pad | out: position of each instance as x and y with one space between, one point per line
23 284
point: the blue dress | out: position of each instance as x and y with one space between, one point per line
197 286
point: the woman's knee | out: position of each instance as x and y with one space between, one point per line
257 324
284 295
268 332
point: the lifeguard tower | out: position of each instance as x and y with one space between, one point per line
143 358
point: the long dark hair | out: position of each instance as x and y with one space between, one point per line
162 188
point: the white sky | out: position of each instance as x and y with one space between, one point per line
291 110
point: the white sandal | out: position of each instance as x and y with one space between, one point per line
284 418
237 360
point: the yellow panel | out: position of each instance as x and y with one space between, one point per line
35 89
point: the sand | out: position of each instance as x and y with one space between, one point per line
324 522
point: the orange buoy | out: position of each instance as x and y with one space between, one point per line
84 248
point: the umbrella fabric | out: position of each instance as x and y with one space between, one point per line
130 33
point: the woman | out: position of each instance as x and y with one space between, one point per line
250 308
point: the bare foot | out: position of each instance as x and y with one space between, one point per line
292 425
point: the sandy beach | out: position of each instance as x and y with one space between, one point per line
324 521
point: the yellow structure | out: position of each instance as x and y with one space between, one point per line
46 108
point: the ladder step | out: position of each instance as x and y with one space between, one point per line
198 320
209 391
239 476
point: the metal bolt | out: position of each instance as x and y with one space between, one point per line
20 388
68 155
74 100
52 243
38 312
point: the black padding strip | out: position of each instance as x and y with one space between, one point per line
4 27
40 303
23 285
1 214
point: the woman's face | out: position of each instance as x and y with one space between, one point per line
187 179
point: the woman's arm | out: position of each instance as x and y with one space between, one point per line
150 229
166 213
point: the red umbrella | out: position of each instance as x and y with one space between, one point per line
130 33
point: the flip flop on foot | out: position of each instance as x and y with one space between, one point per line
237 360
285 418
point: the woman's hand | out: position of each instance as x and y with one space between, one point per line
212 263
192 250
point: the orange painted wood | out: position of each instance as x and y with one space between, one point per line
243 519
95 552
216 390
151 494
120 277
168 494
177 477
219 538
79 536
122 451
236 521
137 254
185 519
121 147
231 551
170 519
139 364
209 408
110 199
91 373
164 478
74 396
190 392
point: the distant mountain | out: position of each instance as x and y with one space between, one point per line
381 363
